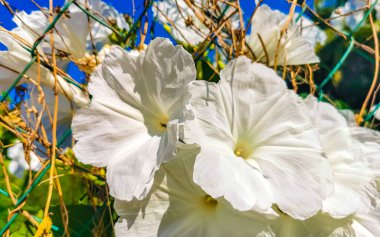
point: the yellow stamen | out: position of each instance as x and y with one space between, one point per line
210 201
238 151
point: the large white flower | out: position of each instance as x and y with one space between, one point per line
178 207
354 179
185 25
258 146
16 58
265 33
19 164
131 125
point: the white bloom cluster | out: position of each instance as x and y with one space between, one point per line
242 157
74 36
266 26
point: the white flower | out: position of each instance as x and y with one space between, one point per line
311 32
18 163
178 207
367 149
258 146
72 30
367 224
16 58
294 48
185 25
73 36
131 124
100 33
354 179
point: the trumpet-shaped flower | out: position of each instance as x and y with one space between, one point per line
76 33
258 146
132 123
354 179
293 48
178 207
19 164
16 58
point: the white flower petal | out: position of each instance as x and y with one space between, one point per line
35 163
354 179
100 33
312 32
367 147
231 177
18 164
15 169
74 32
320 225
367 224
294 49
16 58
129 177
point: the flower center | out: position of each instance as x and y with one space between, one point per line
243 150
87 63
209 202
162 123
157 125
